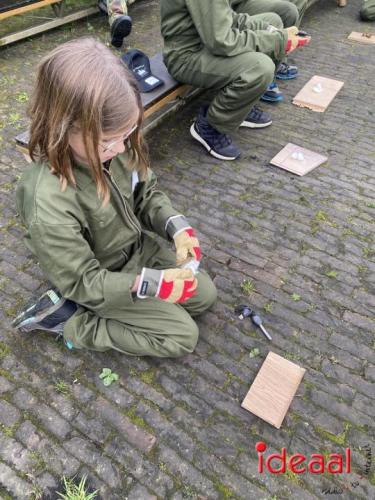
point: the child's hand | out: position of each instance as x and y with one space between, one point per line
295 41
171 285
187 244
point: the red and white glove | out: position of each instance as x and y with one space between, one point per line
171 285
185 240
294 41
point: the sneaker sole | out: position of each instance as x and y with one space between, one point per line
197 137
271 99
286 77
255 125
122 31
25 322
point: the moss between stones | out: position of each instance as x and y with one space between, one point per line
339 439
225 491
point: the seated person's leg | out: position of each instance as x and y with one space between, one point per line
367 11
283 8
148 327
301 7
240 81
119 21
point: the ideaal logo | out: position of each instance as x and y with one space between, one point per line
277 463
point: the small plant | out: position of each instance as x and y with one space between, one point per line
22 97
62 387
75 491
331 274
268 307
296 297
14 117
254 352
247 287
108 376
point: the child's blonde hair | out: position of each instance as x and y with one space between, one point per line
81 83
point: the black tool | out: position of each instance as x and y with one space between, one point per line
302 33
245 311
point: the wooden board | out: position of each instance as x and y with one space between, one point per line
318 93
297 160
273 389
367 38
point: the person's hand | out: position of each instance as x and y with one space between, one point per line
187 246
294 41
171 285
185 240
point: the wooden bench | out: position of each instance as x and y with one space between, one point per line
9 8
156 104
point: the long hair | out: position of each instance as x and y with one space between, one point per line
81 83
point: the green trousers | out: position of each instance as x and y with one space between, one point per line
301 7
367 11
240 80
288 13
149 327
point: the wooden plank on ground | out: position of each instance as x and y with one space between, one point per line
273 389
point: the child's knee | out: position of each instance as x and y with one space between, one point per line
206 294
185 341
291 16
275 20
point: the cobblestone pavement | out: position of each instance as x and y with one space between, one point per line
305 248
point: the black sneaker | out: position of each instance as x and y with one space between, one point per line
257 119
50 312
217 144
121 27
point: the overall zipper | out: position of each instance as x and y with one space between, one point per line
128 216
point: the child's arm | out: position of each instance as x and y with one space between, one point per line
69 263
152 207
155 212
214 20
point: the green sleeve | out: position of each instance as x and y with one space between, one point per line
69 263
220 30
152 207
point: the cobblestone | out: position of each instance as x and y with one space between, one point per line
174 429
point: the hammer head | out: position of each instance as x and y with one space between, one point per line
243 311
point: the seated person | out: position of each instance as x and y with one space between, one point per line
210 45
119 21
290 16
367 11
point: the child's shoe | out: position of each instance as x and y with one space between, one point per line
217 144
257 119
121 27
50 312
286 71
272 94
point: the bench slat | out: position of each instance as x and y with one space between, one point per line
25 8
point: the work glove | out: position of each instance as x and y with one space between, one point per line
185 240
294 41
171 285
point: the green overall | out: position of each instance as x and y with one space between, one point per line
368 10
209 45
93 253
